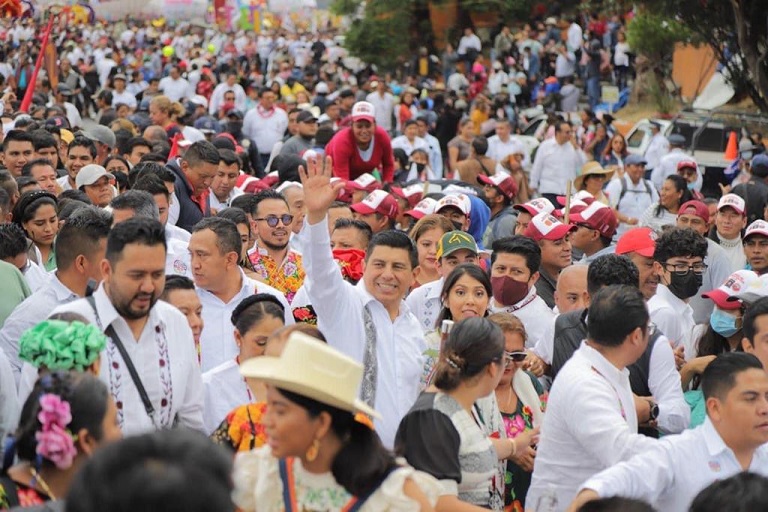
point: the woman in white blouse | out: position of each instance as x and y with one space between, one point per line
673 194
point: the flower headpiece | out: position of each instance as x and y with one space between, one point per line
61 345
54 440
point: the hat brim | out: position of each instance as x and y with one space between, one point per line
578 182
557 233
722 299
485 180
370 119
107 174
416 214
524 208
362 208
274 371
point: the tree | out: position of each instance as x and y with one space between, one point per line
737 31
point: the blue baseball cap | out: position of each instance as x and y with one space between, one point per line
635 160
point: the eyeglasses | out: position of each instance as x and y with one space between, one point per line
682 269
272 220
514 357
585 226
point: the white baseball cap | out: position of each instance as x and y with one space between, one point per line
759 227
536 206
378 201
362 110
90 174
425 207
734 201
460 201
726 296
545 226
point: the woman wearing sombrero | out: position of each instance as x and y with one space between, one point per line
592 178
319 457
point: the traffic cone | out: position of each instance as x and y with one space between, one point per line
732 149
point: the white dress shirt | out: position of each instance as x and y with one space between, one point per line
403 143
217 341
35 275
670 475
265 130
177 258
469 42
383 107
217 205
225 389
657 148
424 302
674 318
555 165
9 405
217 98
175 89
29 313
124 97
173 232
590 425
435 154
533 312
165 358
499 150
667 166
400 343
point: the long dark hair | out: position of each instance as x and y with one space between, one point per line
712 343
472 345
681 185
465 269
363 462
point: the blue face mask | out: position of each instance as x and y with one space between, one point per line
691 185
723 323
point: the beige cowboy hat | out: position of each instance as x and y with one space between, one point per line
312 369
588 169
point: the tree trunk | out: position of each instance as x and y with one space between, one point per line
753 56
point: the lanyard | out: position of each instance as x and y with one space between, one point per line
621 405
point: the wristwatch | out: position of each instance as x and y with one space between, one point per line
654 410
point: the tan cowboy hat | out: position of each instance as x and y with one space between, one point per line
310 368
591 168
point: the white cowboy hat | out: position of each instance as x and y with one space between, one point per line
310 368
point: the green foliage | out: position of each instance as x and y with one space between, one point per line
381 40
655 35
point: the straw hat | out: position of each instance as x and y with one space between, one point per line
590 168
310 368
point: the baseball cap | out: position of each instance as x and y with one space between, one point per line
752 290
207 125
199 100
687 164
639 240
544 226
536 206
759 227
64 89
598 216
582 196
412 193
725 296
460 201
454 241
503 182
306 116
576 207
734 201
362 110
101 134
120 76
379 202
676 139
635 160
67 136
696 208
90 174
759 165
233 112
365 182
425 207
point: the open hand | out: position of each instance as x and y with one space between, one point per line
319 192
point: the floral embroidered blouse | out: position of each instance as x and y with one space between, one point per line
286 276
14 494
516 480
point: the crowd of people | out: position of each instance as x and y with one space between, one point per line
238 273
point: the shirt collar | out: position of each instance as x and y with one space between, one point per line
673 300
63 294
615 376
434 288
713 441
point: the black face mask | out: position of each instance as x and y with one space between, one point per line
234 127
685 287
457 225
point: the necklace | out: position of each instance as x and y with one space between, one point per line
37 477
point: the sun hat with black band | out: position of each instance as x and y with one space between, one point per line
312 369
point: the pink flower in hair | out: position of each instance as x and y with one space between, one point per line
54 440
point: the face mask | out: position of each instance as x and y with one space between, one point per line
419 167
723 323
507 291
691 185
458 226
685 287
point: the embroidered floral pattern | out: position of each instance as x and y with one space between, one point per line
115 381
242 429
287 276
166 380
305 314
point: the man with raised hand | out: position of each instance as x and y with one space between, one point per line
369 322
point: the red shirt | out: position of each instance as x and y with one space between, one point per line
347 162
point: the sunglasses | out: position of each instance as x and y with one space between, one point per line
273 220
514 357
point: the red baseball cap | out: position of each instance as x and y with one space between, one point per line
379 202
425 207
365 182
535 206
726 295
696 208
411 193
503 182
545 226
598 216
639 240
687 164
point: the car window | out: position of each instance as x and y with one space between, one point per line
711 139
636 139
